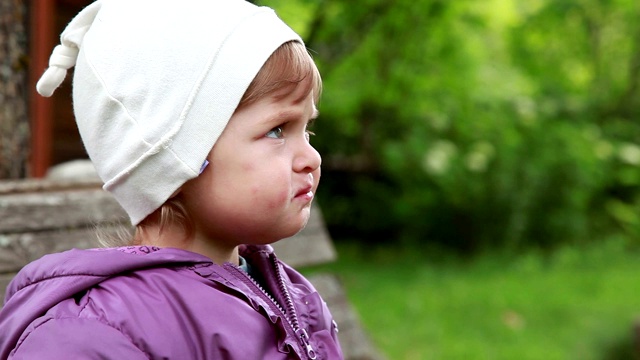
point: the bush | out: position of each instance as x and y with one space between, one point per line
477 125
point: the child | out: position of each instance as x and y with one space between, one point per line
157 83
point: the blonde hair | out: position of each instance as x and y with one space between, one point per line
291 64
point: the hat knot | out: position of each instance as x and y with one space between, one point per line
63 58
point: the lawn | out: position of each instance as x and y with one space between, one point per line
578 303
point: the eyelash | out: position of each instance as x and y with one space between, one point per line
308 134
280 131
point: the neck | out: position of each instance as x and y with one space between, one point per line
174 236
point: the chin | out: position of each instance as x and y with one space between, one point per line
272 238
272 231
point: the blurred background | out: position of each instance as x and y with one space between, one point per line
481 171
481 165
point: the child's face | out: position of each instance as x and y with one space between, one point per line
262 176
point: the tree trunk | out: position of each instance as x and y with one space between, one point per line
14 122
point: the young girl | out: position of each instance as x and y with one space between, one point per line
195 115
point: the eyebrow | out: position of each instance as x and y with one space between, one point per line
287 115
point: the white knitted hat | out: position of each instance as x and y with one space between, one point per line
156 82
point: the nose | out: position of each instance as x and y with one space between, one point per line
307 158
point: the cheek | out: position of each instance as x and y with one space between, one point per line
276 198
247 167
264 182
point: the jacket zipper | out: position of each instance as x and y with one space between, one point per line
290 315
291 310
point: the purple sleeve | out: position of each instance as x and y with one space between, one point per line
73 338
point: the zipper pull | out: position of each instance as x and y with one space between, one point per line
304 339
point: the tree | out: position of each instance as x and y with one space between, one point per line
14 124
472 125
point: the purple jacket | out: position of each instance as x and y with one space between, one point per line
149 303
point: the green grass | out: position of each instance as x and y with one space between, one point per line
578 303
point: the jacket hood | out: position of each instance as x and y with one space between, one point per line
55 277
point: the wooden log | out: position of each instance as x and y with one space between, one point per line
310 247
39 217
17 250
60 212
4 281
8 187
636 338
27 212
355 343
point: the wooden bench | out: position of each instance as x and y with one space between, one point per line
38 217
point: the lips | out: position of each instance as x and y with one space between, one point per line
306 191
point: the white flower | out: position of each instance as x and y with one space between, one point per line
478 158
436 160
629 153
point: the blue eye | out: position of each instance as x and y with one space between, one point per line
275 133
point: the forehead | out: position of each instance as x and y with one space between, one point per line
298 102
290 103
296 92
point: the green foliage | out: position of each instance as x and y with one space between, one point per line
473 125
